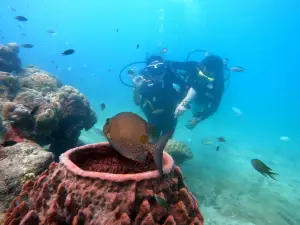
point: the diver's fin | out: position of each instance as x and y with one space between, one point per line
157 150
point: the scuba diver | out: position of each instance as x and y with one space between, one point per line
206 80
158 90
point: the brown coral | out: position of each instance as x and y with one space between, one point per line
9 86
40 81
94 184
7 110
179 151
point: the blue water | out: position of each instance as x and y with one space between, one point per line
260 35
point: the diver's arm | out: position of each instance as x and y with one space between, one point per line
189 97
180 109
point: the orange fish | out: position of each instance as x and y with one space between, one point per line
126 130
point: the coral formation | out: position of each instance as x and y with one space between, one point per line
179 151
18 163
9 60
44 110
39 80
94 184
9 86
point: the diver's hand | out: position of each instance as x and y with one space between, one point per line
138 80
180 109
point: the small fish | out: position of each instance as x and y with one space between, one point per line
109 70
57 67
102 106
262 168
27 45
164 50
68 52
21 18
69 68
131 72
20 26
8 143
207 141
237 111
161 201
158 111
53 61
30 66
2 38
51 31
23 34
221 139
123 132
284 138
137 46
34 110
218 147
176 87
237 69
117 30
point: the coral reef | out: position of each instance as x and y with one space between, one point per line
9 60
94 184
179 151
39 80
44 110
18 163
9 86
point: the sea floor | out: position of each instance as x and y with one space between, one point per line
229 190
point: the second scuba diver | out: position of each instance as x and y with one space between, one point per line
206 80
200 85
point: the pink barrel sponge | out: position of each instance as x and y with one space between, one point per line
95 185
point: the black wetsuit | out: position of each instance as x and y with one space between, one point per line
159 101
209 93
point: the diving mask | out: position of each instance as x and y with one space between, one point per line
201 74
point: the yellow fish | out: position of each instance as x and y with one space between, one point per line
207 141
